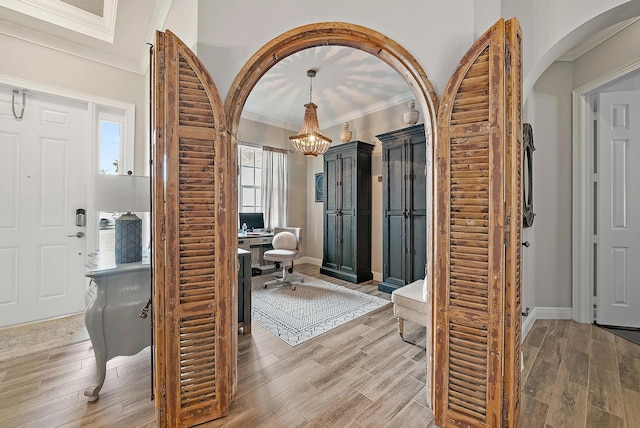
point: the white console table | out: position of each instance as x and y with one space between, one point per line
113 316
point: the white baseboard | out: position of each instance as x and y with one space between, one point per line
552 313
541 313
377 276
310 260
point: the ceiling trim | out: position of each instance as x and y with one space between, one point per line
380 105
355 114
70 17
591 42
62 45
270 121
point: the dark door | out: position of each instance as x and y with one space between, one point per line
331 218
347 242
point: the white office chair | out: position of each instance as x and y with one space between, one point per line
286 248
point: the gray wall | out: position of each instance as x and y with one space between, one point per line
365 129
551 249
266 135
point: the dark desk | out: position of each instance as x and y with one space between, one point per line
244 291
256 244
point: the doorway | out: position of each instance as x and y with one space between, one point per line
364 39
589 197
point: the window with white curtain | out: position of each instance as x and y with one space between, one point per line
275 192
262 183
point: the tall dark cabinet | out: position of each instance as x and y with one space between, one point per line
347 212
404 208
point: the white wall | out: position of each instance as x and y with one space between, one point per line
437 33
551 27
34 63
615 53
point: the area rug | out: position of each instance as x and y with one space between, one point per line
27 339
313 308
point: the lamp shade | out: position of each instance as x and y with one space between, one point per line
121 193
124 194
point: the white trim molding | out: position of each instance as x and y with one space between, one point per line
101 27
582 199
544 313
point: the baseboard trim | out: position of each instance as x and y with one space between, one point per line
544 313
377 276
310 260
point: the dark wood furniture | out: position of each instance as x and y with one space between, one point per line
244 291
347 212
404 208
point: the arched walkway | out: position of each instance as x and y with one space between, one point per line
367 40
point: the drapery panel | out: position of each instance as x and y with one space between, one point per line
275 176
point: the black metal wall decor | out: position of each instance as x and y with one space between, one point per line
527 192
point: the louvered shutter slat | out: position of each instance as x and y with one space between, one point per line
194 352
473 283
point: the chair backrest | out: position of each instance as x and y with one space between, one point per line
294 230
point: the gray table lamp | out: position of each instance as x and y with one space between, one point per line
126 194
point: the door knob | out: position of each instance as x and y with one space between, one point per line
77 235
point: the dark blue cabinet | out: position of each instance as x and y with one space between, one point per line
404 208
347 212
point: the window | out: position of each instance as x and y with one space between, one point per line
250 179
111 158
110 136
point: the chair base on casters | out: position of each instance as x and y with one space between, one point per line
283 279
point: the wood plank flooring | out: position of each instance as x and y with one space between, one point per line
358 375
578 375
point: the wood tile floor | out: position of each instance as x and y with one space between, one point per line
358 375
579 375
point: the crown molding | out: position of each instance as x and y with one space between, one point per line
381 105
591 42
70 17
62 45
294 127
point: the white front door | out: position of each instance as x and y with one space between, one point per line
618 209
43 174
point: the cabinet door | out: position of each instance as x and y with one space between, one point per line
331 204
394 224
416 210
347 212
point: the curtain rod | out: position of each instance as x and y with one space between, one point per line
259 146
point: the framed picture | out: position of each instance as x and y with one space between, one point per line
319 184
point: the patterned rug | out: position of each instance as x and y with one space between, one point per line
313 308
32 338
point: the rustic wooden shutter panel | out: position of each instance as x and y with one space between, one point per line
192 246
472 282
513 205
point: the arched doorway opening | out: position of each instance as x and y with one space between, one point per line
374 43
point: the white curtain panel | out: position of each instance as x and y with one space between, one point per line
274 188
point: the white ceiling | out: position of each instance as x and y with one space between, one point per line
349 82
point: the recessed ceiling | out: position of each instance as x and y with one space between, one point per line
349 83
